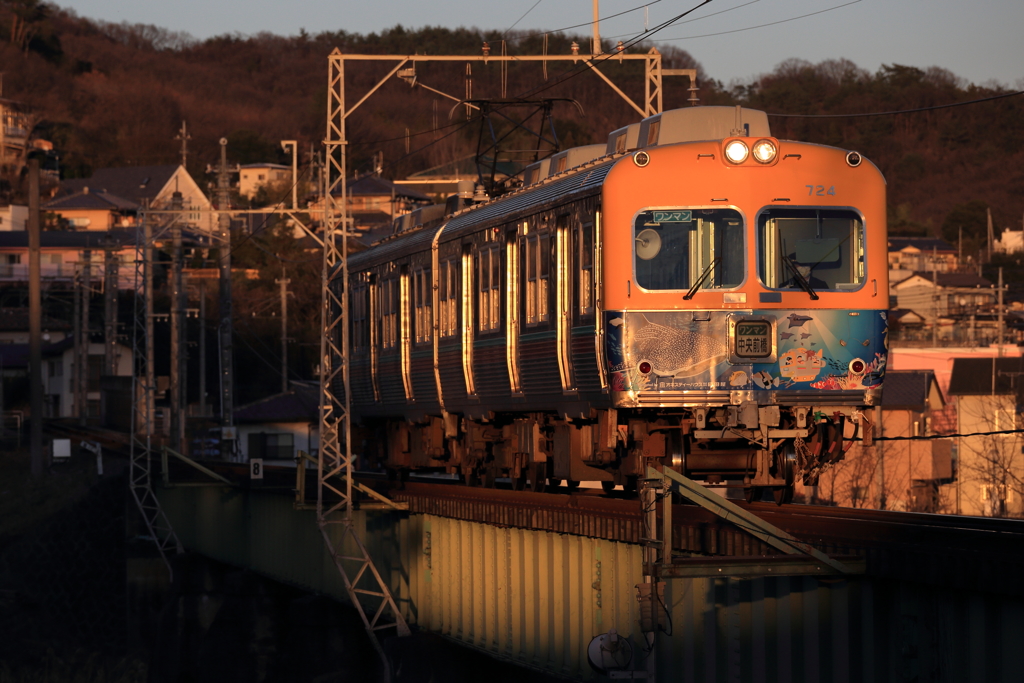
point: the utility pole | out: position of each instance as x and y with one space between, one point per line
227 375
35 325
150 359
82 348
1002 337
294 144
284 329
202 347
178 364
110 282
184 137
597 31
935 300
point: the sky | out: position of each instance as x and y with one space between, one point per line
734 40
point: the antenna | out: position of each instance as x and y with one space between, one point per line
184 137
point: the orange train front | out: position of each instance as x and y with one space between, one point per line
700 296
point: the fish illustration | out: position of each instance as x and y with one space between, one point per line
616 322
805 335
796 320
867 342
842 342
677 353
785 335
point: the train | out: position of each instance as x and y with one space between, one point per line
694 294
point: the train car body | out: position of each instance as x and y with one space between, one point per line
714 301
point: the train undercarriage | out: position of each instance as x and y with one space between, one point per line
756 448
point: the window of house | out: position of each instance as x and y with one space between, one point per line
280 446
488 265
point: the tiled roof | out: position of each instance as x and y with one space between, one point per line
922 243
16 320
60 239
955 279
975 376
373 186
135 183
299 405
907 389
91 200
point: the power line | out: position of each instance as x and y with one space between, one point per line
902 111
751 28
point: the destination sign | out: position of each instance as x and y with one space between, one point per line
673 216
753 338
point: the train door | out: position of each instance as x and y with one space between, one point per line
467 319
405 331
563 301
512 304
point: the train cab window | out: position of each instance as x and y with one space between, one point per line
677 249
537 266
448 298
488 267
421 294
389 313
816 249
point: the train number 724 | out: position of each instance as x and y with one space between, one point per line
820 191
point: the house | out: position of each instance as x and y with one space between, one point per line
13 217
15 128
276 427
374 202
1012 242
63 253
921 253
990 462
150 187
59 373
252 177
963 304
87 210
14 327
898 474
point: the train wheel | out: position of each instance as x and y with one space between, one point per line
571 484
783 494
518 483
630 485
554 483
753 494
608 486
471 477
538 477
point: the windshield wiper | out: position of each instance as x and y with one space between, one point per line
702 278
800 279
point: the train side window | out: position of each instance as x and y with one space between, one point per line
585 259
422 319
676 249
488 265
537 258
360 321
448 298
389 313
824 246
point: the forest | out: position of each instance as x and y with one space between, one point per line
116 94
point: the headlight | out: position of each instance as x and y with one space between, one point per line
765 151
736 151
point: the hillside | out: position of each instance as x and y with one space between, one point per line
109 94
